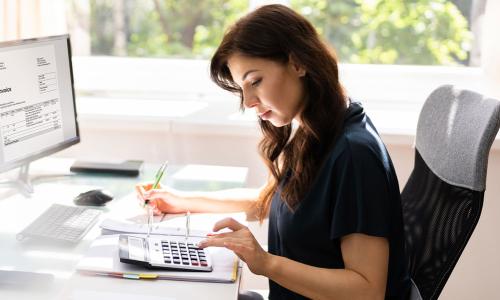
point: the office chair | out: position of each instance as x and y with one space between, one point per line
443 197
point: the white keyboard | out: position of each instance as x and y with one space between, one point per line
61 223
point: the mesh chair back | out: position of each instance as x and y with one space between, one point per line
443 197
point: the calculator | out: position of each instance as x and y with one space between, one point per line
164 252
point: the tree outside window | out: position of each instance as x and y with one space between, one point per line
417 32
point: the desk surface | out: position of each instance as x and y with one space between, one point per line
17 211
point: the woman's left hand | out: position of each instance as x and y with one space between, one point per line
242 242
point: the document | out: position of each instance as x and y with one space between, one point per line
110 226
30 108
103 259
131 219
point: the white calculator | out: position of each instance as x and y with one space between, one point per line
164 252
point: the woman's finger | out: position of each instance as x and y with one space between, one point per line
228 223
235 247
240 234
217 242
153 194
211 243
139 190
144 185
157 212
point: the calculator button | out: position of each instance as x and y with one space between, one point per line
177 261
167 261
203 263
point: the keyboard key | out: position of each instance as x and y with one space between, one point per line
61 222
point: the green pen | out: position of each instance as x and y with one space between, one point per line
158 176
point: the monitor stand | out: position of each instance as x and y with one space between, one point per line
23 181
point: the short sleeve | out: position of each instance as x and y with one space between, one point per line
361 192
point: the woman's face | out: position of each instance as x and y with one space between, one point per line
273 89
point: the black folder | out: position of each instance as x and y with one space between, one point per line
125 168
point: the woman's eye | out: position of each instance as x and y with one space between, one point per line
256 82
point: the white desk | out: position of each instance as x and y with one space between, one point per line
17 211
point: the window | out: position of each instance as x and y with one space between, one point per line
113 42
417 32
153 28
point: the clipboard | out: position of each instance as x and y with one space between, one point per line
102 259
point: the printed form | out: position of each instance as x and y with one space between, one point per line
30 109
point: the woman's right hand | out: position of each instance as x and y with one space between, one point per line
161 199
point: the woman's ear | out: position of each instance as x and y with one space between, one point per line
296 67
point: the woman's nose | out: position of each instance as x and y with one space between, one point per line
250 100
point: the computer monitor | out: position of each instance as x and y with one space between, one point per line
37 102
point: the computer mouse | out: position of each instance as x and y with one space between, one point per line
93 198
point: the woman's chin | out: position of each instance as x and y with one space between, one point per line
278 123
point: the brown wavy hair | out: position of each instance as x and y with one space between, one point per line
278 33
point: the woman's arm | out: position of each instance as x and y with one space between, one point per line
223 201
364 276
166 200
366 260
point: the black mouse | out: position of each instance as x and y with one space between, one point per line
93 198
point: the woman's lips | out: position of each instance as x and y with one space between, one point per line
265 115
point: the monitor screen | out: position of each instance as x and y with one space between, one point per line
37 100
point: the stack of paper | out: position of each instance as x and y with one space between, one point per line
171 224
110 226
102 259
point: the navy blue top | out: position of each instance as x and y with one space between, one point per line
355 191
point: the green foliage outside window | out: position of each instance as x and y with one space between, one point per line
422 32
161 28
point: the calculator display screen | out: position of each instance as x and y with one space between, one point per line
136 248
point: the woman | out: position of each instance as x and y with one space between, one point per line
333 203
